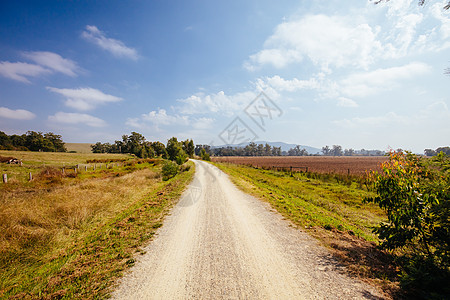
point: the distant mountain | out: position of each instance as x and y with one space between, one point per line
284 146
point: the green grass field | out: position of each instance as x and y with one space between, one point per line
71 235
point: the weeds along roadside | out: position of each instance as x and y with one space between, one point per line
71 237
331 210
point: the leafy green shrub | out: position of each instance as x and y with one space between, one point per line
169 170
181 158
415 193
204 155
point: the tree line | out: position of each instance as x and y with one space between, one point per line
136 144
32 141
253 149
431 152
337 150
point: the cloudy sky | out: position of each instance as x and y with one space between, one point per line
306 72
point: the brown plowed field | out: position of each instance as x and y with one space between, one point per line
355 165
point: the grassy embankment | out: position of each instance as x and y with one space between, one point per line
329 210
71 235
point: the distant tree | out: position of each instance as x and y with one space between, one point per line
297 151
276 151
445 150
174 149
97 148
159 149
204 155
429 152
336 151
267 150
349 152
188 147
326 150
4 139
56 141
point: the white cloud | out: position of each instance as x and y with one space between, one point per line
325 40
84 98
386 120
442 16
203 123
20 71
215 103
45 63
116 47
161 117
368 83
76 118
53 62
156 119
18 114
281 84
345 102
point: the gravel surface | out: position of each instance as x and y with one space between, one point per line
220 243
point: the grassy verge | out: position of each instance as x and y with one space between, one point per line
73 236
330 210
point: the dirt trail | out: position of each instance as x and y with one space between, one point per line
220 243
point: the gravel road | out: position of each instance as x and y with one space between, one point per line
220 243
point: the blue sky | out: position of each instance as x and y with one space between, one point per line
356 74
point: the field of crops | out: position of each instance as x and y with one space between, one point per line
354 165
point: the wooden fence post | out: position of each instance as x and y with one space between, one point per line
85 168
5 178
63 171
30 176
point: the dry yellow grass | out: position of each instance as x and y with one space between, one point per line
47 222
44 215
79 147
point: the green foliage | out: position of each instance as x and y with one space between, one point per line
133 144
415 193
181 158
159 149
34 141
169 170
189 148
175 151
204 155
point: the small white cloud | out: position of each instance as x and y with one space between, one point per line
161 117
158 118
18 114
84 98
345 102
53 62
115 47
20 71
281 84
76 118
